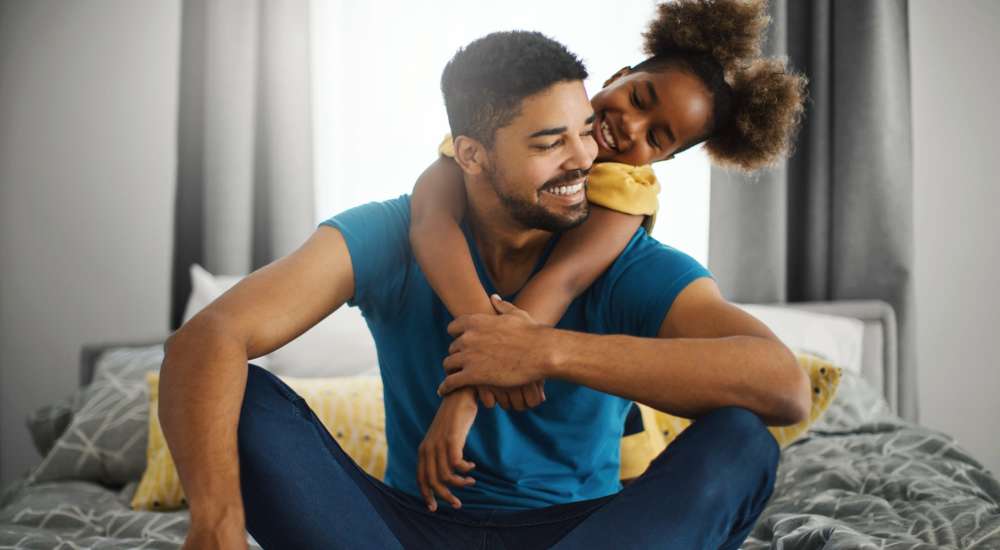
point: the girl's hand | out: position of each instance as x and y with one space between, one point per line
440 453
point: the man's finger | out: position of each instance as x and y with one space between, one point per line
454 381
502 398
503 307
464 323
532 395
455 346
453 362
516 399
486 396
500 305
457 326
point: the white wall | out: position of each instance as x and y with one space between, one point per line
88 94
956 121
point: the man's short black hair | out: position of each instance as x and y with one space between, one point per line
485 82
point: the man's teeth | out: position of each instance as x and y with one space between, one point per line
565 189
606 132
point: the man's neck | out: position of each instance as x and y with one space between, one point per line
507 249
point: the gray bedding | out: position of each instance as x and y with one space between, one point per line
862 478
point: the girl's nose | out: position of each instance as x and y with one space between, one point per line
632 126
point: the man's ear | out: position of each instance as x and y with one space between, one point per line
621 72
470 154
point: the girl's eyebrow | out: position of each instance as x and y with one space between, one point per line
654 99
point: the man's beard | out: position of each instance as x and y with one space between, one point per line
532 215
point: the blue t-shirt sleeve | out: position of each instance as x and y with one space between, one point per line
647 283
378 240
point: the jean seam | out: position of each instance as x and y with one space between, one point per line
318 429
287 392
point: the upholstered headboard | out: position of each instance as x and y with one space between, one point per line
879 365
90 353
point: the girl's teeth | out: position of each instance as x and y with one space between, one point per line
608 137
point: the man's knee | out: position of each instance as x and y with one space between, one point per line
745 435
267 403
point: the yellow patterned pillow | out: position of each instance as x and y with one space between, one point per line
638 450
349 407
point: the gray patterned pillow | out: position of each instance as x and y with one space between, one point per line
47 423
106 438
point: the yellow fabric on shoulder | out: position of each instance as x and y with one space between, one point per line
613 185
639 449
350 407
625 188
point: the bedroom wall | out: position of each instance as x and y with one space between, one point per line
88 94
955 65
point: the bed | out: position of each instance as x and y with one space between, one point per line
860 478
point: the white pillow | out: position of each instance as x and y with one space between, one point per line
832 337
339 345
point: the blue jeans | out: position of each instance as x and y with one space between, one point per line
301 490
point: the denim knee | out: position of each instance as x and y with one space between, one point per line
265 388
746 434
267 403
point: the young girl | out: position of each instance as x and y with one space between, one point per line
703 82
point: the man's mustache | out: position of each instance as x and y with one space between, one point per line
572 175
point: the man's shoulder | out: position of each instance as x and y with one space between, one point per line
652 256
377 235
395 210
636 292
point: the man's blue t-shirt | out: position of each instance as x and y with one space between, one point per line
567 448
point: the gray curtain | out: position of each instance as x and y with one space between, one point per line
244 170
835 221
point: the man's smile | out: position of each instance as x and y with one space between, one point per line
567 193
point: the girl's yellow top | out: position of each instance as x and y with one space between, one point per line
613 185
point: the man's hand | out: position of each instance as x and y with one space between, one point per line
505 350
520 398
440 453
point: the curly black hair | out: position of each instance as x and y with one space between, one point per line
484 83
758 102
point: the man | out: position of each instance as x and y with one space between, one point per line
652 329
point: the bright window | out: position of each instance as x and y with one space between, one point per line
377 103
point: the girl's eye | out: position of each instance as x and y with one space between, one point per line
551 146
635 99
651 137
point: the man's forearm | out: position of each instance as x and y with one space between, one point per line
687 376
202 383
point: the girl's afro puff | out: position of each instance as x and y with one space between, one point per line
768 104
730 30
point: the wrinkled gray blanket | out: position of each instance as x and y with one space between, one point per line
861 478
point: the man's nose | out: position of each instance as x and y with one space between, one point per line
583 151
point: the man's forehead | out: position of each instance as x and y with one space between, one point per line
563 104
